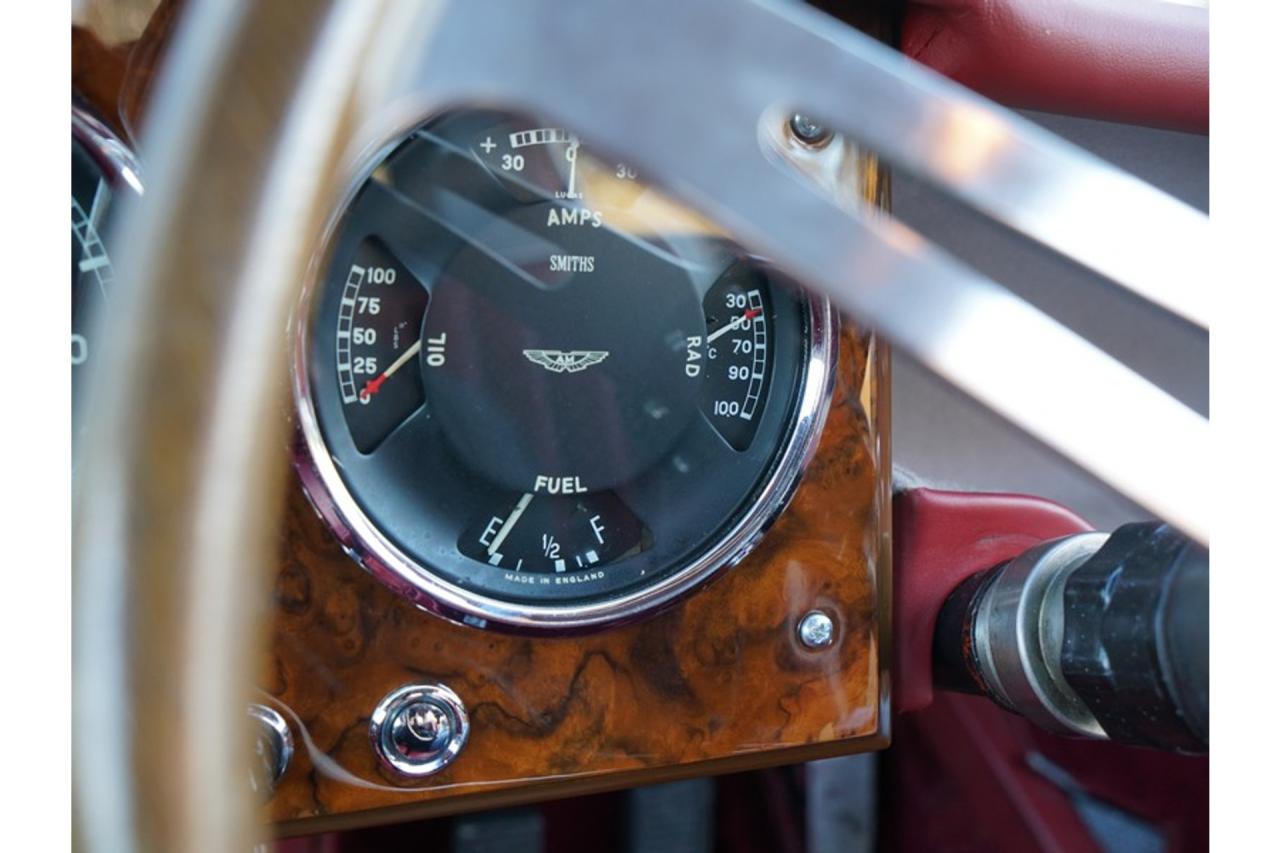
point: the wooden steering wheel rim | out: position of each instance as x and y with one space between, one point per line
181 469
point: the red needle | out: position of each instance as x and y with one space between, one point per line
371 387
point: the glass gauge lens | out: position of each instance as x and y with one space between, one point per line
542 393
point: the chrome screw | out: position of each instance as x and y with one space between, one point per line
816 630
808 132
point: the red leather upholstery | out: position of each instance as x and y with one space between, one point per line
939 539
1138 61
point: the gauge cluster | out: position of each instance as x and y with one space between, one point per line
535 393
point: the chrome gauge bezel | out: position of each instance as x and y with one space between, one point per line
373 550
118 163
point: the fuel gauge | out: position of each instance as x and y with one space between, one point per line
555 534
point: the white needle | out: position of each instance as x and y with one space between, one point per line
735 323
371 387
509 523
571 154
101 193
404 356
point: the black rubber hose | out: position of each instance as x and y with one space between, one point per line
1136 638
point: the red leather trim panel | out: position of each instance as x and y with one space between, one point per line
939 539
1137 61
965 775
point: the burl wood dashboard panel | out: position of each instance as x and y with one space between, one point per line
718 682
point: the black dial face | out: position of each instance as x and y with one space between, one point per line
537 381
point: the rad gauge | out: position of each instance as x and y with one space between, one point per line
536 394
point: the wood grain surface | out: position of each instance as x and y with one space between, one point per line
115 80
718 682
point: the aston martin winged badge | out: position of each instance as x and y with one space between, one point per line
559 361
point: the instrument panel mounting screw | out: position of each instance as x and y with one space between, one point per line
808 132
816 630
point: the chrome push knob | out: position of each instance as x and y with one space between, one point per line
419 729
272 748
